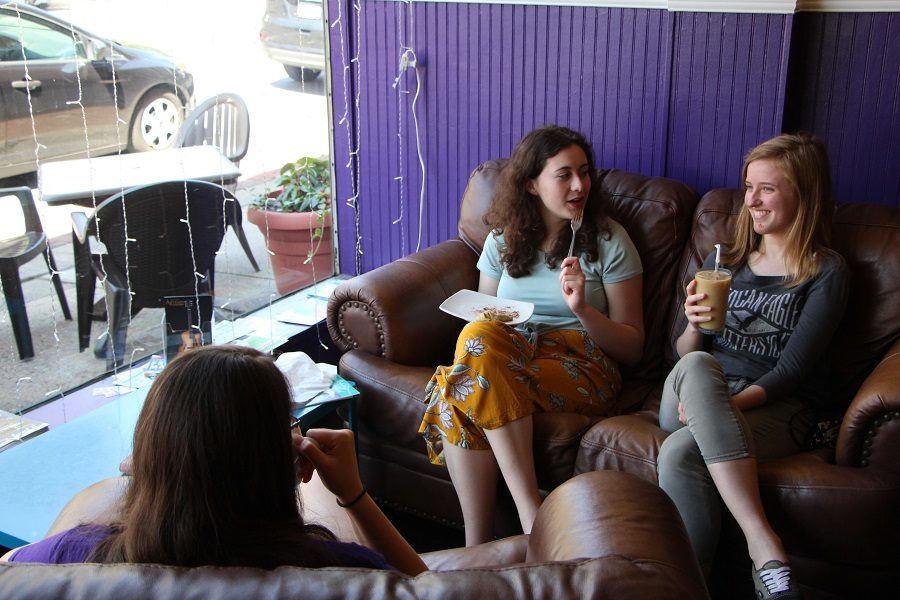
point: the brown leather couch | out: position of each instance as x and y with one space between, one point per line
838 511
624 541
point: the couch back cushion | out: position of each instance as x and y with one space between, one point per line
612 576
713 223
867 236
655 211
476 200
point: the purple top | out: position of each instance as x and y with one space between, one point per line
71 546
75 546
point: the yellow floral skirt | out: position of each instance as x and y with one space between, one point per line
498 377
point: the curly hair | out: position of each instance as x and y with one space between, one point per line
803 159
515 212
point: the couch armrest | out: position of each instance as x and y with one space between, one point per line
506 551
610 513
626 443
604 515
393 312
870 431
846 515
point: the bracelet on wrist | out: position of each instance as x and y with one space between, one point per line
352 502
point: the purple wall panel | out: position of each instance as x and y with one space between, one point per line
727 93
490 73
846 89
678 94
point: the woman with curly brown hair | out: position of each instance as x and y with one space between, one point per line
587 319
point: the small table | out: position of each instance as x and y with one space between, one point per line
85 180
341 392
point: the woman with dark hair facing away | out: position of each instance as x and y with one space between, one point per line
587 318
750 398
215 473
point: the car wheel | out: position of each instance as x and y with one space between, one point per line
156 122
301 74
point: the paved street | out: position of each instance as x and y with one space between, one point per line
218 43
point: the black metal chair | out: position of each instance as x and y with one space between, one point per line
160 240
222 121
15 252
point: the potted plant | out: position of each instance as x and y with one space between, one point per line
295 219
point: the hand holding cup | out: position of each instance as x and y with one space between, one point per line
712 287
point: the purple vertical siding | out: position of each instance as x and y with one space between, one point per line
683 95
846 89
490 73
729 73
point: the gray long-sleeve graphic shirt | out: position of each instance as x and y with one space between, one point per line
776 337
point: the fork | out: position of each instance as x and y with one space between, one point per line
576 225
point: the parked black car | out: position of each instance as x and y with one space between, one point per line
47 64
292 34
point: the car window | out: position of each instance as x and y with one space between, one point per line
40 40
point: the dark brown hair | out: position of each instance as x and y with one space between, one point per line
213 470
803 160
515 212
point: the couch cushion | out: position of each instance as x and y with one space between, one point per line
656 212
556 438
626 443
820 509
611 576
392 406
868 237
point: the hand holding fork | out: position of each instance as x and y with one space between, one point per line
576 225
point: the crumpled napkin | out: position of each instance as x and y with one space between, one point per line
306 378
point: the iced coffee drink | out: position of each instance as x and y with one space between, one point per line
715 284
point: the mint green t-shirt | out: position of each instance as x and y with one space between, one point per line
618 261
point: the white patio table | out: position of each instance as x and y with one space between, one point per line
86 180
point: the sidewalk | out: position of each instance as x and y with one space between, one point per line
58 365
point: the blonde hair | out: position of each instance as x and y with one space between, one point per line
803 160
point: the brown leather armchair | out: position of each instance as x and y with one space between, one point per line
394 335
625 540
837 511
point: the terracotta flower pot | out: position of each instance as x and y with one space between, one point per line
289 238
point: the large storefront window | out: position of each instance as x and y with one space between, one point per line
116 88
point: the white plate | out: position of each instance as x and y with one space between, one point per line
468 305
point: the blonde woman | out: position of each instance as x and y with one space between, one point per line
587 319
749 398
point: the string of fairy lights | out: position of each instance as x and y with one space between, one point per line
407 59
53 308
349 65
351 129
